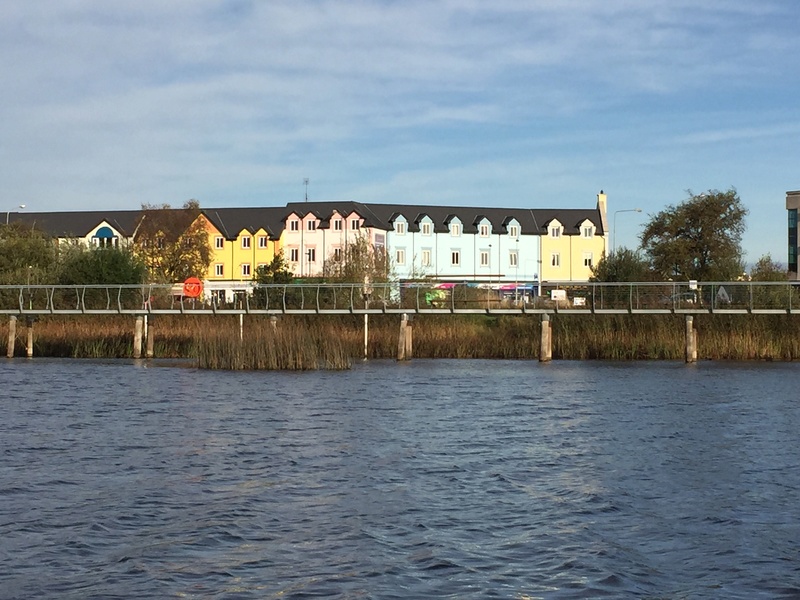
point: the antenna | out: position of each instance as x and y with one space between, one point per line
305 183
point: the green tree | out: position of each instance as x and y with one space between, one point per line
94 266
276 271
622 265
27 255
173 243
767 269
699 238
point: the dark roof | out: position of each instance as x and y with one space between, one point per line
69 224
231 221
324 211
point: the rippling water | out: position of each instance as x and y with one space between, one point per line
428 479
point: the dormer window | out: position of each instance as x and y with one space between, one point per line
455 229
588 231
513 231
355 224
555 231
484 230
294 225
337 225
400 228
425 228
311 225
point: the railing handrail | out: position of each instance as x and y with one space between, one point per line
410 297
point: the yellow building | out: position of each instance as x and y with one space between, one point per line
572 241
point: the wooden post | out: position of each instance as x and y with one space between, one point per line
137 338
149 337
546 348
30 337
691 340
401 339
241 327
273 321
366 336
12 335
409 341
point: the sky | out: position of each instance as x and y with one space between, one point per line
502 103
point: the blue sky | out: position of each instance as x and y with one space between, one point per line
517 103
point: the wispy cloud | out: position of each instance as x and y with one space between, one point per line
107 102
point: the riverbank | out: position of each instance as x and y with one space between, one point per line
302 341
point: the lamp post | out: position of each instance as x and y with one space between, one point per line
614 230
8 213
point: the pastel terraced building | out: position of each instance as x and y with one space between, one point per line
482 245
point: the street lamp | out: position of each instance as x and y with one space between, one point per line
614 230
8 213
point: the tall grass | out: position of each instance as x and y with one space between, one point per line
305 342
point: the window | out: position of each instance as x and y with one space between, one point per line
246 270
311 225
337 255
588 259
513 231
484 230
355 224
425 228
400 228
294 255
262 241
337 225
513 259
401 256
311 253
246 242
588 231
484 258
294 225
555 260
555 231
426 258
219 270
455 258
455 229
219 242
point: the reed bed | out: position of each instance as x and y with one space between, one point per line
306 342
301 347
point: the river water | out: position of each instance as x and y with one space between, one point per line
427 479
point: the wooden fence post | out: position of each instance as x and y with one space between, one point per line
150 338
691 340
546 348
12 335
137 338
30 322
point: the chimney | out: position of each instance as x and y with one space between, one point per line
602 208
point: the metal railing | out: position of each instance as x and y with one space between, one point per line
459 298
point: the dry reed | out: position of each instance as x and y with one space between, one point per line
302 342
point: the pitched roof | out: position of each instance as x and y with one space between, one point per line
231 221
71 224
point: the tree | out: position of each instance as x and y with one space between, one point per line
622 265
173 242
361 261
27 255
697 239
767 269
275 272
95 266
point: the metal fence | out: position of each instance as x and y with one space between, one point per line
341 298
